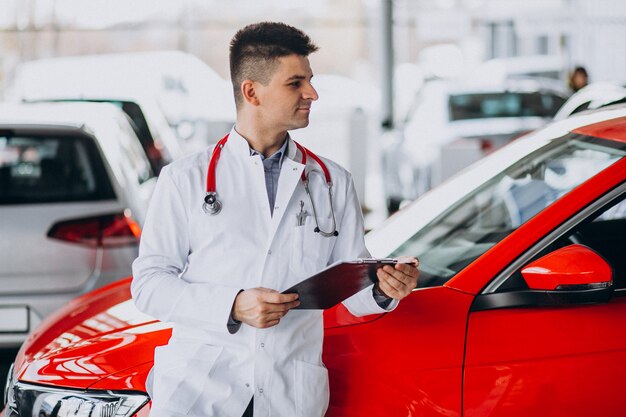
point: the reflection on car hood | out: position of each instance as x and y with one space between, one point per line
91 338
101 341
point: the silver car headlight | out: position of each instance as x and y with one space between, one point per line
26 400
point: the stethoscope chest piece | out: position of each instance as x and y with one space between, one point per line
211 204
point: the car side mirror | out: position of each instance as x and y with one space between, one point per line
574 274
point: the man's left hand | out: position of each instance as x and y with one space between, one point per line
398 282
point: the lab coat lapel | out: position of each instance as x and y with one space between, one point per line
287 182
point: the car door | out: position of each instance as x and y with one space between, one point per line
559 360
406 363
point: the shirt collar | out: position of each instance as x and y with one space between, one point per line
279 154
242 147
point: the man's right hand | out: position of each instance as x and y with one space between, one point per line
262 307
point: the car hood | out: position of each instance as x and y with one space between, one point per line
101 340
93 337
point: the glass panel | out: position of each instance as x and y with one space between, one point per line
489 214
604 232
507 104
133 155
51 169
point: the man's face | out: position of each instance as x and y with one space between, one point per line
285 102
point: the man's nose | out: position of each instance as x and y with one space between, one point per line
310 93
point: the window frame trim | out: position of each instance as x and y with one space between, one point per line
557 233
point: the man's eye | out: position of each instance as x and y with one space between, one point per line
295 84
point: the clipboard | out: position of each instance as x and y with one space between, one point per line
337 282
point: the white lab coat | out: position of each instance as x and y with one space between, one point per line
192 265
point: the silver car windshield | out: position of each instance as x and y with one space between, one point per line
493 211
505 104
48 169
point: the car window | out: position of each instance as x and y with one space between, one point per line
582 107
604 231
46 169
505 104
139 123
497 208
133 155
553 74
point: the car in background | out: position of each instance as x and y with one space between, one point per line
451 125
146 119
74 190
591 97
197 103
535 66
519 308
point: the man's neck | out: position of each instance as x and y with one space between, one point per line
265 141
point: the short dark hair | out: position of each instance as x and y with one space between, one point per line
255 49
581 70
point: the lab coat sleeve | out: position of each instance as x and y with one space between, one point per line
350 244
157 287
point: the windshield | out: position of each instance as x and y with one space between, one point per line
48 168
505 104
497 208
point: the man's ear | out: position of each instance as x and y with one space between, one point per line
249 93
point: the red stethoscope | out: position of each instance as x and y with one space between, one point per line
213 206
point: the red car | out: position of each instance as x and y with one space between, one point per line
520 309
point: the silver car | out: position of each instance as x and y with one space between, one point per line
452 125
74 189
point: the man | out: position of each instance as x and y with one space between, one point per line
236 347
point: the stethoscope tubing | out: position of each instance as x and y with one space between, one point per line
213 206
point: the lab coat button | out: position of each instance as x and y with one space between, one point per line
262 345
247 385
269 252
260 390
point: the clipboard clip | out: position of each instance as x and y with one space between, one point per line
376 261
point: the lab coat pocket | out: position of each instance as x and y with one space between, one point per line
181 370
309 250
300 264
311 386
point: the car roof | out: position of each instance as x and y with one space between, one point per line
79 115
129 76
613 129
102 120
122 75
526 84
597 95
